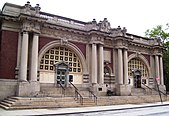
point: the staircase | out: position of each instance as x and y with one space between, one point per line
138 91
35 102
68 102
51 96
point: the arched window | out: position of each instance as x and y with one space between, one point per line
58 54
108 78
136 63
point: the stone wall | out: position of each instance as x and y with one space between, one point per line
7 88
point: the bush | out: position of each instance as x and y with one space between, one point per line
110 93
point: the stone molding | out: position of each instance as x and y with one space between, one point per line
64 34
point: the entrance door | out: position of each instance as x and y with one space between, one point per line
61 77
137 81
61 74
137 78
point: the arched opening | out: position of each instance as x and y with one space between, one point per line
108 77
137 72
57 55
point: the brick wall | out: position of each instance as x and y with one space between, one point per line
8 54
82 47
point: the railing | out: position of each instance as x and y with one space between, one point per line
63 89
156 91
78 96
62 19
94 96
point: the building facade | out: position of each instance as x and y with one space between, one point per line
40 48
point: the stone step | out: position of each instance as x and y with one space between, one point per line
138 91
61 102
11 99
6 104
8 101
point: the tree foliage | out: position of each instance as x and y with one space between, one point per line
159 33
166 65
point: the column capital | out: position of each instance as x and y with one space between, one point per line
24 32
36 33
101 45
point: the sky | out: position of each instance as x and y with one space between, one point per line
136 15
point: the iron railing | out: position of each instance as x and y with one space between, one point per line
78 96
165 94
91 94
63 89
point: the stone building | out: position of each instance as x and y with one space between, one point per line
38 48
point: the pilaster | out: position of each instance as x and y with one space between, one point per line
24 58
157 67
94 63
125 67
120 67
161 71
34 58
101 65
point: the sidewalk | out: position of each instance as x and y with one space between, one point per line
64 111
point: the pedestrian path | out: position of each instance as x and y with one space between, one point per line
64 111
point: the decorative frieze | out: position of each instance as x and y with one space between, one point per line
141 49
63 34
31 27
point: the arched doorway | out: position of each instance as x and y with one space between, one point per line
137 72
137 78
60 56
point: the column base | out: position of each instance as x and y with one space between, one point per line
162 88
25 89
99 89
123 90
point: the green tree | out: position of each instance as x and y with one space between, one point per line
166 65
159 33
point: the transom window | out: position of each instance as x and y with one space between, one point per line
58 54
136 63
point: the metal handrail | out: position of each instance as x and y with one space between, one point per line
154 89
77 94
94 96
157 91
63 89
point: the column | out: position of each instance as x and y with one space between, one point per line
161 71
120 67
24 58
34 58
157 66
94 63
125 67
101 65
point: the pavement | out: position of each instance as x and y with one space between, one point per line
66 111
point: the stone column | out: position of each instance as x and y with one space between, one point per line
34 58
157 66
94 63
101 65
125 67
120 67
24 58
161 71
